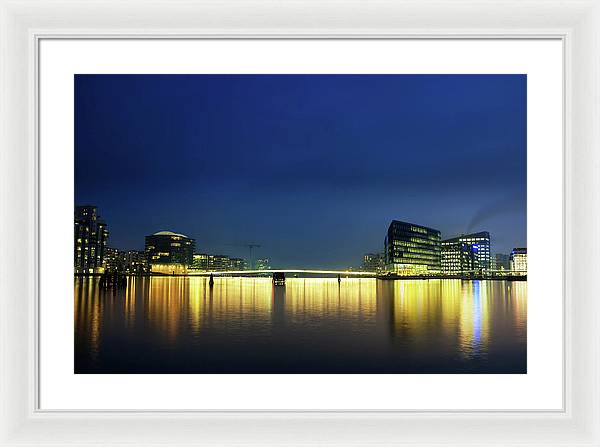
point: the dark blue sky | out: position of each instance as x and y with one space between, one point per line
312 167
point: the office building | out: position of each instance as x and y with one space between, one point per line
91 238
518 260
169 252
412 249
456 256
466 253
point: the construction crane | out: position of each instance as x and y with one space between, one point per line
250 248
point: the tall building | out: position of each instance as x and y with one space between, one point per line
169 252
91 238
373 262
518 260
412 249
466 253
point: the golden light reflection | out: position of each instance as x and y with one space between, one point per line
315 298
423 309
517 297
88 312
421 319
439 314
166 304
474 318
235 300
130 301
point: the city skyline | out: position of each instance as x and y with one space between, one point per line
403 249
302 164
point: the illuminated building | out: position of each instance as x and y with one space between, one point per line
518 260
136 262
412 249
169 252
456 256
237 264
216 263
131 262
200 262
466 253
373 262
91 237
263 264
112 260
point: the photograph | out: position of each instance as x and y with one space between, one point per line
300 224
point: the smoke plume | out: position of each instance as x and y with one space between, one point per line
505 205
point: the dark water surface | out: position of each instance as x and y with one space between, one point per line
245 325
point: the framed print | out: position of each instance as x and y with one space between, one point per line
247 223
441 299
277 307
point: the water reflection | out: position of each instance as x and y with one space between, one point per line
245 325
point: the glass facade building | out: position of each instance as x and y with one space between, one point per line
466 253
91 239
412 249
169 252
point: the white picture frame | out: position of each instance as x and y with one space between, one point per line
24 23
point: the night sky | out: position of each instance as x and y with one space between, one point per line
312 167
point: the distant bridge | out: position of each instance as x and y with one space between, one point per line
490 274
286 271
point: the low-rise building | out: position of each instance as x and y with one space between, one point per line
200 262
237 264
129 262
518 260
217 263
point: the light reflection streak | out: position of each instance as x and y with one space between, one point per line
424 319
